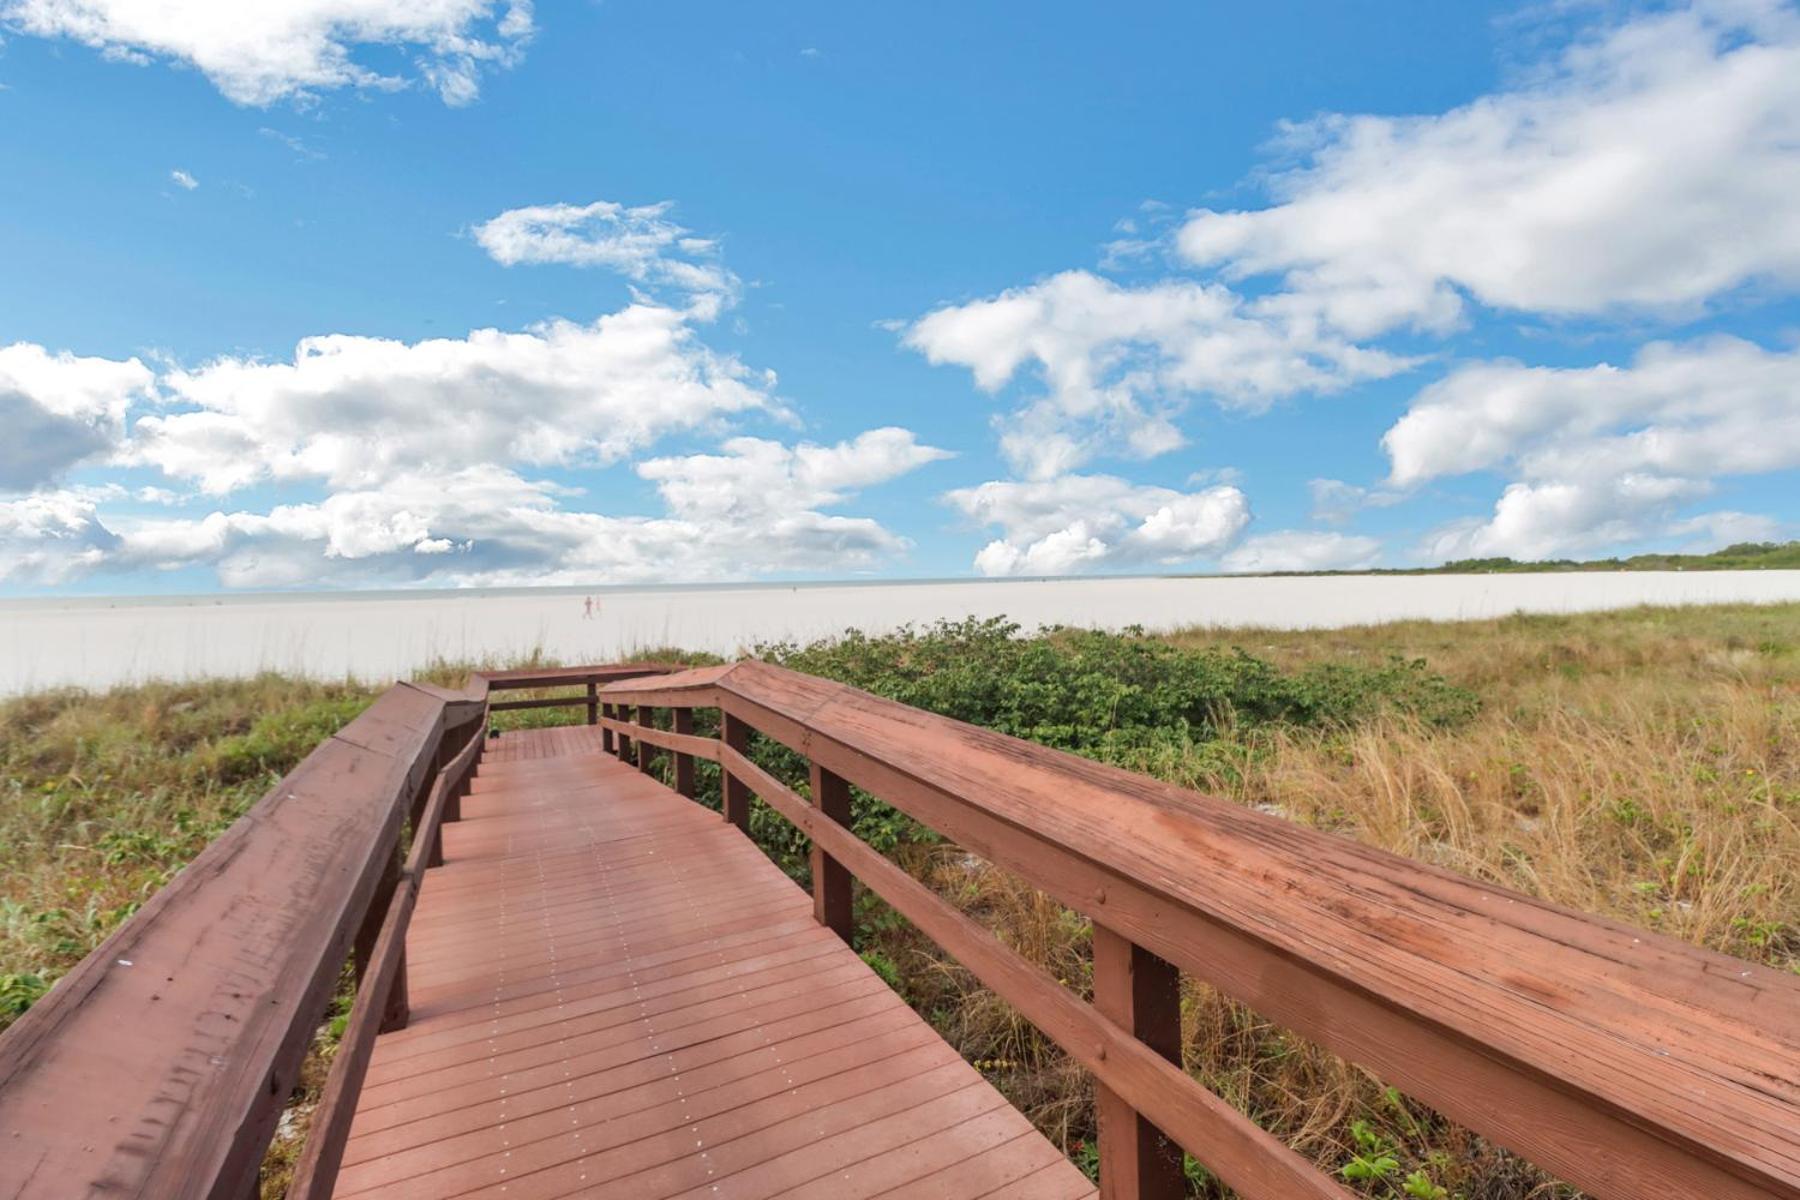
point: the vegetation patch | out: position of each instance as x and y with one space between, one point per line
1740 556
1642 764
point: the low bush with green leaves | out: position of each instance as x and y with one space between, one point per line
1121 698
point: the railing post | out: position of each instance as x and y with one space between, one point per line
683 721
370 929
460 786
606 735
1141 992
646 718
831 879
734 792
593 695
398 1009
623 748
394 1015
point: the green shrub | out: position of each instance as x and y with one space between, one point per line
1122 698
1094 692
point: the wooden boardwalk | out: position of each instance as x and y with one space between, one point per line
577 982
614 993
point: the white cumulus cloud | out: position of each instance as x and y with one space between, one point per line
1080 522
1118 362
1649 168
354 410
753 510
265 51
756 478
1302 550
51 537
1642 174
640 243
59 409
1604 454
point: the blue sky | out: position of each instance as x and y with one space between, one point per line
609 293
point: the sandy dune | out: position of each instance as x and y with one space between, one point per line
98 642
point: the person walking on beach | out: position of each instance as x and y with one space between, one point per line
587 609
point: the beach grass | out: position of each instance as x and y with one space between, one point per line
1642 764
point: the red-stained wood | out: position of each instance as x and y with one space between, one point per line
1629 1063
830 878
616 995
317 1169
547 677
381 1004
682 723
646 719
1142 993
734 738
158 1066
688 689
683 743
1255 1165
622 733
575 700
1626 1062
363 945
453 782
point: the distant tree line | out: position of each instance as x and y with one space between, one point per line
1738 557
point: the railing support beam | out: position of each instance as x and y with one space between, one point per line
734 792
606 735
370 929
646 716
1142 993
593 702
459 787
397 1011
623 748
830 878
683 722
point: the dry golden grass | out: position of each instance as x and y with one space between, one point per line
1642 765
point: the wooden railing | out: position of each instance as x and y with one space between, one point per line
540 678
159 1066
1634 1066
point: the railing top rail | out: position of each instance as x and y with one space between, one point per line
1593 1047
159 1065
541 677
691 688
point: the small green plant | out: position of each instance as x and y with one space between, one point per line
1198 1177
1418 1184
1087 1156
883 966
1373 1161
19 992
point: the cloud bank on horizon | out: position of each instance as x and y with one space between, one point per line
1638 177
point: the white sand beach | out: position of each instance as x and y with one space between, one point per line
98 642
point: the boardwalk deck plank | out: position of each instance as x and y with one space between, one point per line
616 994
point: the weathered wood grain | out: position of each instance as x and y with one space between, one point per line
1139 992
681 743
158 1066
1256 1165
665 1020
1624 1061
